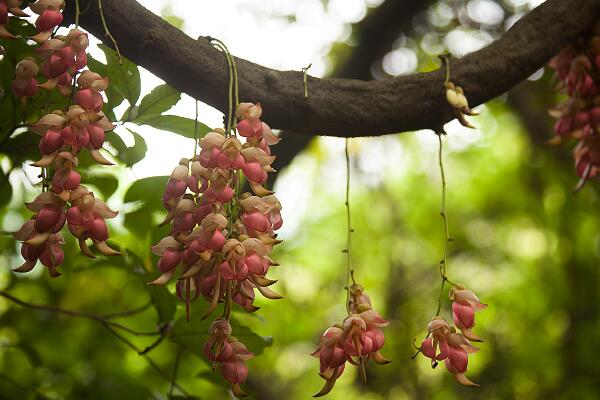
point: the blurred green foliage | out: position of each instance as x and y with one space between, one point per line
522 241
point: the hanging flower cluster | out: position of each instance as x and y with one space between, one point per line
64 134
449 345
221 239
357 339
230 354
443 342
578 117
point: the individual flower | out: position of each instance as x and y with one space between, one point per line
88 96
25 85
464 305
455 96
86 219
50 17
41 235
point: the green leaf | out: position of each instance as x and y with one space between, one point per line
149 192
176 124
163 301
116 141
136 153
107 184
124 78
159 100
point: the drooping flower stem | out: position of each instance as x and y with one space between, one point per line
77 12
196 131
107 32
230 130
233 98
443 213
348 250
305 79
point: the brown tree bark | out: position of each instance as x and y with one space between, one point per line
342 107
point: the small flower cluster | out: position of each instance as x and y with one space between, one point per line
578 68
457 99
222 239
225 350
445 343
64 134
356 340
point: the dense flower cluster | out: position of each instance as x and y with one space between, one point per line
578 117
220 238
64 134
356 339
445 343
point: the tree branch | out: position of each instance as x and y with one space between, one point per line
110 326
74 313
374 36
342 107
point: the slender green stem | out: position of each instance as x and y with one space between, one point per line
444 214
107 32
233 85
128 313
108 325
77 12
75 313
150 361
349 271
305 79
196 131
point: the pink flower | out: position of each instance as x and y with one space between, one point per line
40 236
88 96
357 340
453 349
250 124
49 17
464 305
86 220
231 354
25 84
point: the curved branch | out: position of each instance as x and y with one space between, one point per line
373 38
342 107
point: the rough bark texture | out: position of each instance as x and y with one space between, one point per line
342 107
373 38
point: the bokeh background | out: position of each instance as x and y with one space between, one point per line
522 240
